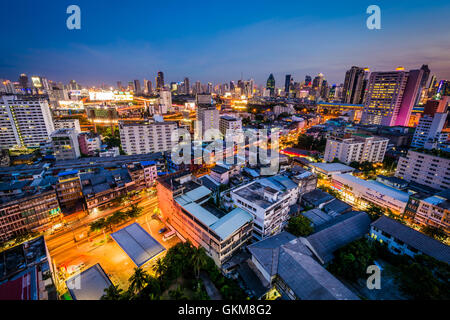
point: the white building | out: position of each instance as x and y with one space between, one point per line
268 200
67 124
429 133
24 122
209 118
357 148
362 193
90 143
165 101
427 169
113 152
229 123
65 144
142 137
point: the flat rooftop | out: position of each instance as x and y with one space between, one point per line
89 284
137 244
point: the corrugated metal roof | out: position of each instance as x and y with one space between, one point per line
231 222
413 238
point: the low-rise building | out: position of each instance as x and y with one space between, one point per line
430 210
361 193
230 124
90 143
33 210
328 169
401 239
184 206
65 144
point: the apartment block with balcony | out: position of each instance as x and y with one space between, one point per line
357 147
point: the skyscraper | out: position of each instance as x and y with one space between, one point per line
187 88
119 85
23 81
160 80
353 85
412 90
271 85
384 97
287 83
308 80
137 87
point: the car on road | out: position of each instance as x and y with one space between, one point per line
162 230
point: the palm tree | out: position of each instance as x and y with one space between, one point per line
112 293
138 280
159 267
177 294
199 260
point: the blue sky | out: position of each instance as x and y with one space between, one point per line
218 40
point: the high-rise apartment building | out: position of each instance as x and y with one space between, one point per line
141 137
429 133
24 121
137 87
358 148
209 118
426 168
187 88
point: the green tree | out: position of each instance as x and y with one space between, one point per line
112 293
434 232
159 267
97 225
138 281
300 226
374 212
199 259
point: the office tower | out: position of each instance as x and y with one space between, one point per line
65 144
209 88
187 88
137 87
308 80
160 81
73 85
287 83
409 97
425 168
353 85
443 89
384 97
148 86
429 133
271 85
131 86
24 122
23 81
358 148
423 83
141 137
209 118
119 86
198 87
317 82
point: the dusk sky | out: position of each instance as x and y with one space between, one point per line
218 40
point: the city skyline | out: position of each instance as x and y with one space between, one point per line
215 45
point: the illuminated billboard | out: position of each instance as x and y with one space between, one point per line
36 82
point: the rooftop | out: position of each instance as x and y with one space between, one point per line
376 186
413 238
331 167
